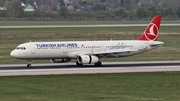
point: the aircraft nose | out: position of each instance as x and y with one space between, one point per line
13 54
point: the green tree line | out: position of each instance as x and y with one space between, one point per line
94 8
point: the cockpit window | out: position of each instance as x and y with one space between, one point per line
21 48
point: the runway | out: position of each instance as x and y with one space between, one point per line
71 68
61 26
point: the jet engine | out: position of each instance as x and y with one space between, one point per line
87 59
59 60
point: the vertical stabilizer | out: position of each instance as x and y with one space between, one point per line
152 31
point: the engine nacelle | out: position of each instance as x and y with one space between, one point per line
59 60
87 59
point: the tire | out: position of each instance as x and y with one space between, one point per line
98 64
29 65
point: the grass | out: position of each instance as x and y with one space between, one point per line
18 23
163 86
21 23
10 38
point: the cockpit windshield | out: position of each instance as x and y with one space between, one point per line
21 48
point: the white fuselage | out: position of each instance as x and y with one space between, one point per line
89 52
70 49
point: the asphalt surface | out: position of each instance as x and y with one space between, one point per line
107 67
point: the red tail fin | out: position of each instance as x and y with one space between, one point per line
151 32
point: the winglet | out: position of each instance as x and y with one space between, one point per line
152 31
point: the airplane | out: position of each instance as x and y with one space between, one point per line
90 52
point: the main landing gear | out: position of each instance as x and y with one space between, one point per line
29 64
98 64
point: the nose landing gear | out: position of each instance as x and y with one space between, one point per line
29 64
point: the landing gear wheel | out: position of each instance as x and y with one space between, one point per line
78 64
98 64
29 64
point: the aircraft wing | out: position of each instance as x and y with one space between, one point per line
114 51
105 53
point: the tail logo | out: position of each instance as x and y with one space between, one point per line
151 32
